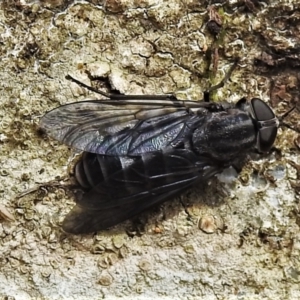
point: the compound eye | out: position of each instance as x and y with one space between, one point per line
266 138
266 122
261 111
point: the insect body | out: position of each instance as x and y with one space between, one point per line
142 150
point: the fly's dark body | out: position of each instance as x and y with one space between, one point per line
142 150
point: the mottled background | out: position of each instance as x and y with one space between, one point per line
247 242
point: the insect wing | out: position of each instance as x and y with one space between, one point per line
151 179
125 127
151 173
81 220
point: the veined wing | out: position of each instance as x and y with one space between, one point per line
150 174
123 127
81 220
149 180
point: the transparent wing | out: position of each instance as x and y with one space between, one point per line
81 220
151 179
123 127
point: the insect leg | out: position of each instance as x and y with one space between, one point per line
281 119
221 83
154 97
90 88
120 96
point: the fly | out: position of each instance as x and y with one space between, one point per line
140 150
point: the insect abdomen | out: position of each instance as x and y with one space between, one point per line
93 168
150 173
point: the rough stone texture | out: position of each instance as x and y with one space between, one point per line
148 47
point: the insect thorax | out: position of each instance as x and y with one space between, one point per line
225 135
